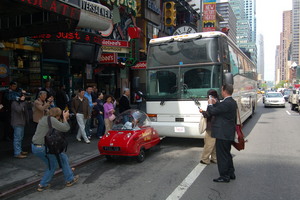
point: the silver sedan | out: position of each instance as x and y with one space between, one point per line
274 99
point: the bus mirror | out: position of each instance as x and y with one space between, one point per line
228 78
136 83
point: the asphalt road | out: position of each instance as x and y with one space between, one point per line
268 169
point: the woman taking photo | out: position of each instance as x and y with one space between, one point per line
38 148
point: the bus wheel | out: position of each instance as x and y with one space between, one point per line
252 112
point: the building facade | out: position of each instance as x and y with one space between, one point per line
261 57
296 31
230 21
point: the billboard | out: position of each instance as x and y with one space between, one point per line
209 15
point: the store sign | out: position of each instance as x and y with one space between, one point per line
115 43
152 6
77 35
127 3
96 16
140 65
55 6
115 46
108 58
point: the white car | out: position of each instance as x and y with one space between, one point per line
274 99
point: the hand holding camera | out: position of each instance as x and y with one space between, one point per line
66 115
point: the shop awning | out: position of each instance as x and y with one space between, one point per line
19 18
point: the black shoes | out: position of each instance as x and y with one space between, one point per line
203 162
232 177
222 180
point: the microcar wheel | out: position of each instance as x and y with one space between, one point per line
141 157
109 158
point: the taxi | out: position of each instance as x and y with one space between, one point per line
131 135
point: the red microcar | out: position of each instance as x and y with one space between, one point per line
131 135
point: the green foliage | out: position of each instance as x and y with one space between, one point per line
280 84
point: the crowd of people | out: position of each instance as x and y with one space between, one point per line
89 109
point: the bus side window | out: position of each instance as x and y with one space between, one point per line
233 61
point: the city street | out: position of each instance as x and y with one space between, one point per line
268 169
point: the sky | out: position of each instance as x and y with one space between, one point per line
269 24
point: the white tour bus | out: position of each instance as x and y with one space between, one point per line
180 71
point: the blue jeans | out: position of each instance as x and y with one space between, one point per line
18 137
66 169
101 126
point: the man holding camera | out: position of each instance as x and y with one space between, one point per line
13 93
19 118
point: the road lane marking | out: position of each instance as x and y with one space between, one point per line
288 112
186 183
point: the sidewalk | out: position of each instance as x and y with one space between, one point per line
16 174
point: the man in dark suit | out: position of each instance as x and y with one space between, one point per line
124 103
223 129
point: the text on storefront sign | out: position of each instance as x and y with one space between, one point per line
55 6
97 9
79 36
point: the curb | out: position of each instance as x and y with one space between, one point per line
34 182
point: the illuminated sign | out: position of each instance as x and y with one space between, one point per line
55 6
115 43
140 65
108 58
77 35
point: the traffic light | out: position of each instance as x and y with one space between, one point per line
170 13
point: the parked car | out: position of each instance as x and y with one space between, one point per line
131 135
274 99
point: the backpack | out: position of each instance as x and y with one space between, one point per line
55 142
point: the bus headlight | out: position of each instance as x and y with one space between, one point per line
152 117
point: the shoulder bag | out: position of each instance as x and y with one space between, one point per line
239 141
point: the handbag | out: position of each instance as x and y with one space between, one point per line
112 117
239 141
202 124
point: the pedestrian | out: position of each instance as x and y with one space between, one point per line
81 109
94 93
138 98
8 96
41 106
19 118
38 149
88 125
61 98
108 111
48 88
100 115
209 150
223 129
124 103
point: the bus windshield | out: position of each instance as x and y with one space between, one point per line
183 83
183 52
